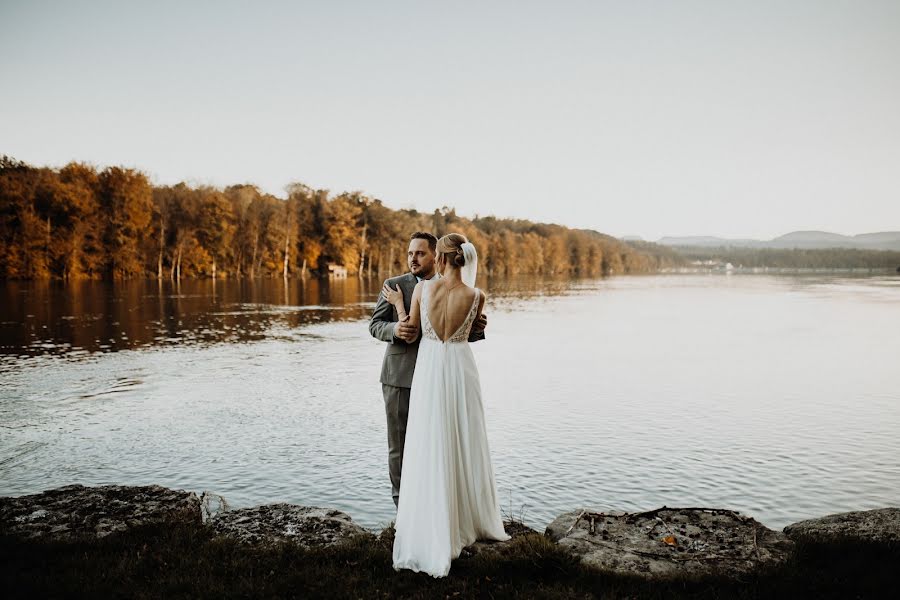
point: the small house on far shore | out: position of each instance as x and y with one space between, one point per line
336 270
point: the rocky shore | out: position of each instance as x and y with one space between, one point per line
664 544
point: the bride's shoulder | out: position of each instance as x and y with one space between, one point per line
479 294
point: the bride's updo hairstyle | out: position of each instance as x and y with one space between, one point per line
450 247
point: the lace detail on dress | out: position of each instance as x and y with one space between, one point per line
462 334
427 329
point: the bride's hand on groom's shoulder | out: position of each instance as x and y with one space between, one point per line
393 296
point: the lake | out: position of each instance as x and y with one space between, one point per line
778 396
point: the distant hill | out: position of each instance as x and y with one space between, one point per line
885 240
709 241
811 237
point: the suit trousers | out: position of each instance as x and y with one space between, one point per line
396 407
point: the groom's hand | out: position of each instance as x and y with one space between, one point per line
406 332
480 324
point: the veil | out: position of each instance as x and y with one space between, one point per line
470 270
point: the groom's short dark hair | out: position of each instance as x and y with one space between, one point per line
424 235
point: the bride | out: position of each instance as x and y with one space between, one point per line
448 498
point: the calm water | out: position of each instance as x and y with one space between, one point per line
776 396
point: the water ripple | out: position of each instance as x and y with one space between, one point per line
776 396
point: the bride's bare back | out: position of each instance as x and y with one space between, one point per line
449 303
448 307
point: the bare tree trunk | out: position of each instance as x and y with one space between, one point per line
362 251
288 228
179 263
172 270
369 268
303 269
287 239
47 246
253 260
162 246
391 264
214 269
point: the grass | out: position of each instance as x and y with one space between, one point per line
188 562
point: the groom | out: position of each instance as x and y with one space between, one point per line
403 347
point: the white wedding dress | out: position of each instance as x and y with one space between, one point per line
448 498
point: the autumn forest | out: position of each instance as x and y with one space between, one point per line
80 222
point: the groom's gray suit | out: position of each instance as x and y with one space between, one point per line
397 371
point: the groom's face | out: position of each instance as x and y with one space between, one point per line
420 258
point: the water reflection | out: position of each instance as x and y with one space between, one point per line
44 317
91 316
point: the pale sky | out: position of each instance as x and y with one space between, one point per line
739 119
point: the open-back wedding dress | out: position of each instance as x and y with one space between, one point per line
448 498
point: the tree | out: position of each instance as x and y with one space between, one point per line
342 231
83 242
74 222
309 207
245 204
126 201
183 208
215 227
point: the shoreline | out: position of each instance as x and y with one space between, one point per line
51 539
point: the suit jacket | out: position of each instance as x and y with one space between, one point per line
399 361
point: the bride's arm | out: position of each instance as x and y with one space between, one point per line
395 297
415 312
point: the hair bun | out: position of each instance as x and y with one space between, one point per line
450 248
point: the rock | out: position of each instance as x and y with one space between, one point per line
76 511
513 528
881 525
211 504
671 542
309 526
